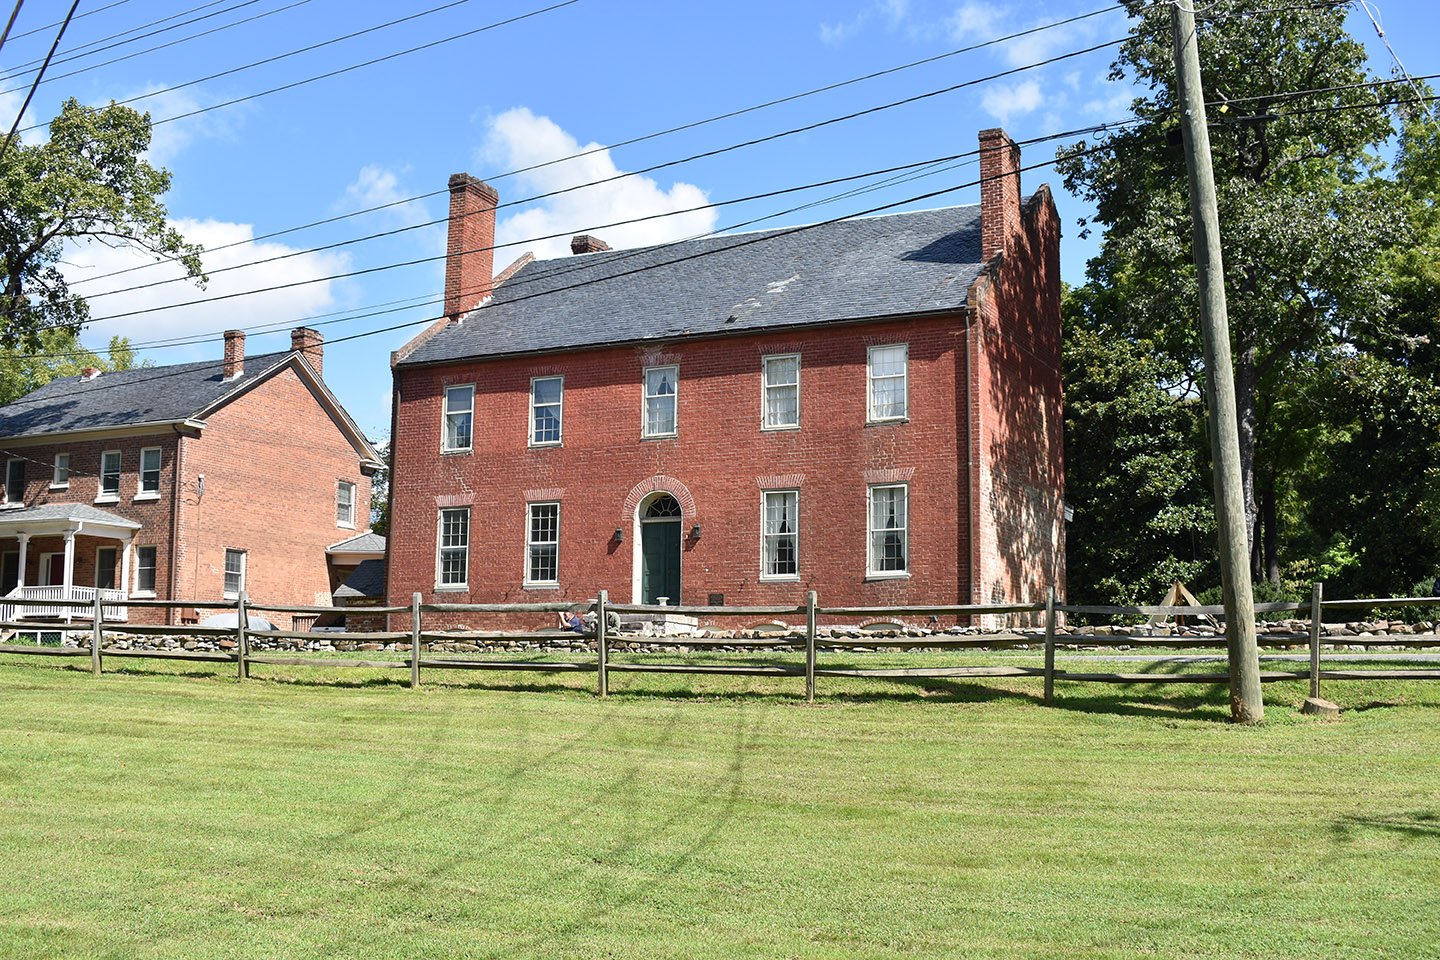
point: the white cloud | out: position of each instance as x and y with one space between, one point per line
891 12
974 20
280 306
9 103
375 186
1004 101
1114 107
518 138
169 139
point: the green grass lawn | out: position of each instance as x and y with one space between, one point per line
164 810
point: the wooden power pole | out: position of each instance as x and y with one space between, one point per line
1246 703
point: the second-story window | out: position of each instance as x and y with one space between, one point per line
109 475
660 385
886 372
543 543
782 391
345 504
15 481
459 418
60 479
149 472
547 395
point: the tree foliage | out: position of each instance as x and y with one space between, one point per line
58 353
89 182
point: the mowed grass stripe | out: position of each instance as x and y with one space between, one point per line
168 811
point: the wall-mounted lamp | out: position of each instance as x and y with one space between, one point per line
619 535
695 532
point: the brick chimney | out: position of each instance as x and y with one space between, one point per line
470 254
584 243
999 191
311 345
234 353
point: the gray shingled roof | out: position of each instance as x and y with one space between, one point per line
127 397
64 511
368 580
367 542
893 265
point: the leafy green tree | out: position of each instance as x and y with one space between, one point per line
1303 231
88 182
57 353
1134 464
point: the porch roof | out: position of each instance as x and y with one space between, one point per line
65 518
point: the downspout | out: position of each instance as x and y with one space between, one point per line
177 503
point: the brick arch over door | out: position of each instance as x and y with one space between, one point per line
658 484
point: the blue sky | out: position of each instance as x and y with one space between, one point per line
590 74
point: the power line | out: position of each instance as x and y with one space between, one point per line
646 137
1403 72
24 106
79 16
620 176
329 74
79 52
10 23
169 43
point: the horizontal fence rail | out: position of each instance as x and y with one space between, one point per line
777 635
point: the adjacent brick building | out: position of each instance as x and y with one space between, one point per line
184 482
869 409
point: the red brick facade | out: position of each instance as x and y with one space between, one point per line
260 476
979 450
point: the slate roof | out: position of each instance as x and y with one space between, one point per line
368 580
127 397
64 511
892 265
367 542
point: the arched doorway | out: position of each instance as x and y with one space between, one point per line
659 553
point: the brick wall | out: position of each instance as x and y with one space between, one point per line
271 461
717 467
154 515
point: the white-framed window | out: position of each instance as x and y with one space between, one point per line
15 482
888 386
145 570
234 573
105 568
452 560
542 543
888 529
345 504
149 474
781 376
547 408
109 476
780 547
459 418
60 479
660 384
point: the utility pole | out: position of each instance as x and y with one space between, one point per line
1246 703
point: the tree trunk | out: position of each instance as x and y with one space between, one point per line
1246 381
1270 523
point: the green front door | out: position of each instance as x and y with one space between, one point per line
660 560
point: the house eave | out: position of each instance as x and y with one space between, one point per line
190 426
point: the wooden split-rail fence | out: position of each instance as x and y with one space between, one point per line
812 643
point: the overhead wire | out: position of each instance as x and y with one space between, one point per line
4 148
10 23
80 16
126 32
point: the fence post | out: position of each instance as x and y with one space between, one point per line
1050 644
242 629
96 635
602 642
811 602
415 641
1316 592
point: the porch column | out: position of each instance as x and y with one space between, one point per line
69 579
125 568
24 544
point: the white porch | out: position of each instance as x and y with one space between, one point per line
66 521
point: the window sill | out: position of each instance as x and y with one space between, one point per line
784 428
344 526
7 505
659 436
787 578
453 588
881 423
108 498
453 453
544 585
887 575
151 495
547 443
142 595
59 486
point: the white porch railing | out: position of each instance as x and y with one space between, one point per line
15 608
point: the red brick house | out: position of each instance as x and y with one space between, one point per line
185 482
869 409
